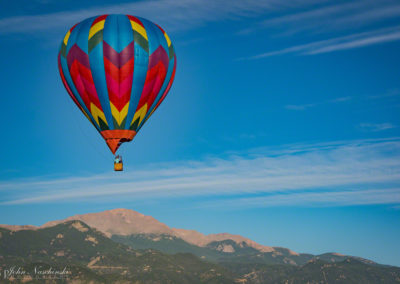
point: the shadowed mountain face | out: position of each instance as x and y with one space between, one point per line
89 255
315 271
144 232
123 222
124 245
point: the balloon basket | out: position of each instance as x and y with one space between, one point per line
118 167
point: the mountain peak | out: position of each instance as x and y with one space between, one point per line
125 222
123 211
119 222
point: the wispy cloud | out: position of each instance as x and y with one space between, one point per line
338 168
300 107
307 106
172 14
392 93
336 44
327 198
375 127
332 17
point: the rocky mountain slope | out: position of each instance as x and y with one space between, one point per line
90 256
124 246
145 232
124 222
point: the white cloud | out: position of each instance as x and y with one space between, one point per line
336 16
376 126
307 106
300 107
171 14
327 198
341 166
336 44
392 93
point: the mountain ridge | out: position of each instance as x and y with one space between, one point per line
88 256
141 231
91 257
126 222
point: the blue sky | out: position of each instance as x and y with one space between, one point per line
282 124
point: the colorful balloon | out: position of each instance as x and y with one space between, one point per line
117 69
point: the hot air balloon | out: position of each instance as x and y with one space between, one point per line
117 69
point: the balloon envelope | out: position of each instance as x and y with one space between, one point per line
117 69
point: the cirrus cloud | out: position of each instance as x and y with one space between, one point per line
349 169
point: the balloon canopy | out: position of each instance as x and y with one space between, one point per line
117 69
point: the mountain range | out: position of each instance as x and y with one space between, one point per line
125 246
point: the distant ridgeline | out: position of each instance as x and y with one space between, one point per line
129 247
